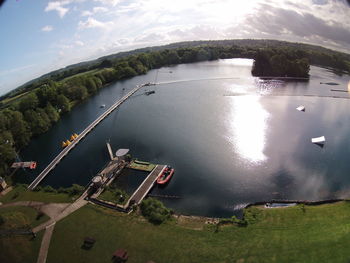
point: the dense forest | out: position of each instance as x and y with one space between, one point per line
34 107
274 63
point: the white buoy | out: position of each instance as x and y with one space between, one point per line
301 108
318 140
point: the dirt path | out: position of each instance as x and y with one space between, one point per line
51 209
60 214
45 243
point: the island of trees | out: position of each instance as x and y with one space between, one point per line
278 63
34 107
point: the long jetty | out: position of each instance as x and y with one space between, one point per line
88 129
145 187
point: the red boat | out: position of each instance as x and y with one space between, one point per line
166 175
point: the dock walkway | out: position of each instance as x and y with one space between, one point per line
145 187
67 149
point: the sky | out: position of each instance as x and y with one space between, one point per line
38 36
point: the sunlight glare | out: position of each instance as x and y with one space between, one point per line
249 125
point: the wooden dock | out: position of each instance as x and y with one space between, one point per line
145 187
67 149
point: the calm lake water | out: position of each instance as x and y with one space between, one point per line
232 138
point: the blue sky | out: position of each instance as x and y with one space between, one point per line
39 36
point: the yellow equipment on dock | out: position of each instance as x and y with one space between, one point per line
68 142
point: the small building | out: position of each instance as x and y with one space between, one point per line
120 256
3 184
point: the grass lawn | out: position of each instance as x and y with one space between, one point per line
10 100
113 195
314 234
140 166
81 74
22 194
20 216
20 248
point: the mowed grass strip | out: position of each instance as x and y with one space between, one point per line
313 234
23 194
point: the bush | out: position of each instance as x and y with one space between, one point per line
154 211
2 220
62 190
49 189
76 189
39 215
37 189
15 195
251 216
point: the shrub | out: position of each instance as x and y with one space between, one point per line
49 189
76 189
62 190
39 215
154 211
2 220
37 189
251 216
15 195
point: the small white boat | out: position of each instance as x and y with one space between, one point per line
301 108
102 106
318 140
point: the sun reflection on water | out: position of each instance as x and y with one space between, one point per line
248 126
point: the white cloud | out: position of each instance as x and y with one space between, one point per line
109 2
86 13
79 43
58 6
96 9
99 9
47 28
93 23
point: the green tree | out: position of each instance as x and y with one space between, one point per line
38 121
90 85
28 102
4 121
63 103
52 113
154 211
18 128
173 57
46 94
7 151
98 82
202 55
78 93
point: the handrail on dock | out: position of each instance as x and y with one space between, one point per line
88 129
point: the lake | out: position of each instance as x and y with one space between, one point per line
232 138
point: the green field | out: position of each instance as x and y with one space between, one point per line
314 234
81 74
20 248
12 99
